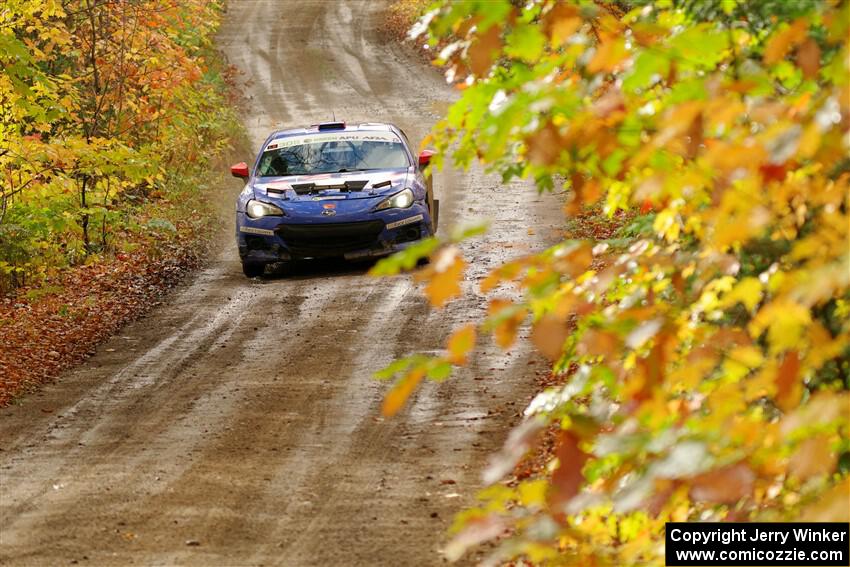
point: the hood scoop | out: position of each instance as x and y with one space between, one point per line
308 188
354 185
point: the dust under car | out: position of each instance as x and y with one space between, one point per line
332 190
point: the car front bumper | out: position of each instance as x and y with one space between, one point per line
276 239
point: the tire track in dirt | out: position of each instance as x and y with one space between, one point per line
242 415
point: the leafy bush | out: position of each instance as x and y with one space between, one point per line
99 103
707 362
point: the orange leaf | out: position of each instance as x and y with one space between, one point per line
483 49
609 54
567 478
474 532
444 275
788 387
695 134
823 407
549 334
544 146
461 343
599 343
583 193
781 43
428 139
813 457
504 272
396 398
462 27
831 506
808 58
650 370
646 33
562 22
506 328
725 485
574 260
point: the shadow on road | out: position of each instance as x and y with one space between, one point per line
320 268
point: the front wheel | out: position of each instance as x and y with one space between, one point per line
253 269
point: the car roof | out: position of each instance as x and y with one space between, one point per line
337 126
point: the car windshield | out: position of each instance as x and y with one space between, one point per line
332 153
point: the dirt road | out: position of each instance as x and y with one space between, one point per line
238 424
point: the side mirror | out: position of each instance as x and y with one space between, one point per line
425 158
240 170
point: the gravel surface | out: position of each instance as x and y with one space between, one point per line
238 424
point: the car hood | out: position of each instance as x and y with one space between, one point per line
346 186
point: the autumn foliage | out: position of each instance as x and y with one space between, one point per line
109 110
110 115
705 346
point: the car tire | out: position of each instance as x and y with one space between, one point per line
253 269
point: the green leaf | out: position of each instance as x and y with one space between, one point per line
398 366
439 371
651 65
526 42
701 46
469 230
405 259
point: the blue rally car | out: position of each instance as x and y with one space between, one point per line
332 190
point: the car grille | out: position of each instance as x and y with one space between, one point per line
335 239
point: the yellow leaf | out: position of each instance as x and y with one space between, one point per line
740 361
722 112
533 493
667 224
748 355
396 398
762 384
785 322
461 343
691 373
723 402
823 346
809 141
747 291
727 156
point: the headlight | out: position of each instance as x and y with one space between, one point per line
258 210
400 200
